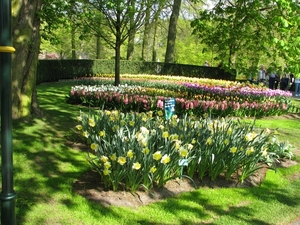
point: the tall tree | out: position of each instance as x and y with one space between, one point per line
153 11
73 13
145 44
26 41
245 31
27 17
169 57
98 46
131 34
92 24
188 49
121 18
73 41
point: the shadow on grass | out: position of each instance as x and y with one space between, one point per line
45 166
200 207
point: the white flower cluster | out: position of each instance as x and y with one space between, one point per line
104 88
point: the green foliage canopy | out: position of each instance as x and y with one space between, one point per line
243 31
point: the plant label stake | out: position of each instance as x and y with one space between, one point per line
169 107
182 163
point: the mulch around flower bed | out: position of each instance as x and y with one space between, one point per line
90 187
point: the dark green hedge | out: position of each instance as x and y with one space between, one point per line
55 70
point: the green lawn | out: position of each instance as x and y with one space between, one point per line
46 165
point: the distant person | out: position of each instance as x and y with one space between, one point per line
297 87
272 78
292 82
206 63
262 74
266 80
284 82
277 81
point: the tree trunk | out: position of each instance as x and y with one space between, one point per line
169 58
154 45
155 25
117 64
73 42
98 47
118 49
145 45
130 47
131 35
26 41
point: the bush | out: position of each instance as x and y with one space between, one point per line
55 70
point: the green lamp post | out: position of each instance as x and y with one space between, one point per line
7 195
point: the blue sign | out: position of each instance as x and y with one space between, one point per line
169 107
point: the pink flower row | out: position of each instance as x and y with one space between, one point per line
145 102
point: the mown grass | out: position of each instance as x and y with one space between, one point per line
47 162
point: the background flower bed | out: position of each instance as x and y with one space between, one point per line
204 96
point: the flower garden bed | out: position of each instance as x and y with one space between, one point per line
193 96
134 145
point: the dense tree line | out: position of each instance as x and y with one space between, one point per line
248 33
241 33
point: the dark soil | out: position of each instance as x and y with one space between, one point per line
90 187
